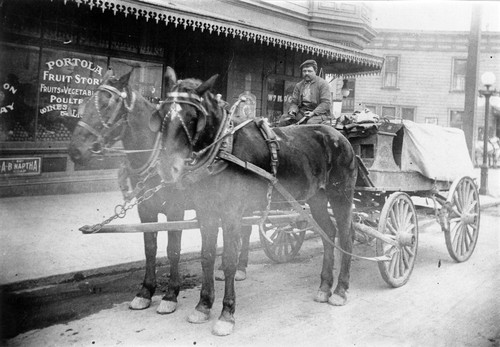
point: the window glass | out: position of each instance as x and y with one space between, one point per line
18 78
391 71
408 113
459 71
275 102
456 119
389 112
146 77
372 108
66 78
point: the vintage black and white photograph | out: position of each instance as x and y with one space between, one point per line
249 173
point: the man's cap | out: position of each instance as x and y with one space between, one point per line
309 62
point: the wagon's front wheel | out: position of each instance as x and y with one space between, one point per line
461 229
282 243
398 220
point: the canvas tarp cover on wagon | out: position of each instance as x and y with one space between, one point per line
437 152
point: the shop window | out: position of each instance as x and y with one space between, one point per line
22 18
66 79
18 76
389 112
348 101
456 119
391 72
145 78
458 79
408 113
279 96
371 108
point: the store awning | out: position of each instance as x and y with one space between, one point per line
343 61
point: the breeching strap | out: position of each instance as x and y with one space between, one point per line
291 200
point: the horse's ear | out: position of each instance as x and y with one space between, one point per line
155 122
170 78
208 84
125 78
107 76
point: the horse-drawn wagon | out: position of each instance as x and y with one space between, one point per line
379 172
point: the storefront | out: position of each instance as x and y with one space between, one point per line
53 55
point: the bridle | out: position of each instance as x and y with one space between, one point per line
174 99
108 127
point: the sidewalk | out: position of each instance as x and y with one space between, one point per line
40 237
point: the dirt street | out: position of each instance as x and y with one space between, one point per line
444 304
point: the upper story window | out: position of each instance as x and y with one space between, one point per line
458 74
391 72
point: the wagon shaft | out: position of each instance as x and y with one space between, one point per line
179 225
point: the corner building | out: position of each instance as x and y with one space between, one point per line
53 55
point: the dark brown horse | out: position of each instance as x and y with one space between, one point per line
316 164
116 112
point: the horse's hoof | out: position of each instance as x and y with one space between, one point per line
322 296
240 275
198 317
166 307
219 275
337 300
223 328
139 303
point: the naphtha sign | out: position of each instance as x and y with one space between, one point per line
26 166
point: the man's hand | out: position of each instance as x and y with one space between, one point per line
308 114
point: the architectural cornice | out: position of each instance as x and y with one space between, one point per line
186 17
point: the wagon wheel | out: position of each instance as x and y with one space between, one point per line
398 220
286 241
461 228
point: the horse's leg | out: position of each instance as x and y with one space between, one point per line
143 299
231 225
209 227
241 271
168 303
342 210
319 211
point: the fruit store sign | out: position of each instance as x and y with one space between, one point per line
65 83
26 166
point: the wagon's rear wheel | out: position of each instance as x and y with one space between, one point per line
398 220
285 242
462 228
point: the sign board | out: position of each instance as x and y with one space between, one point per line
26 166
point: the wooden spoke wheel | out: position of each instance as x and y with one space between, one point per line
285 241
398 220
461 229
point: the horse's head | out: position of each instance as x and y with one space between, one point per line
103 118
188 119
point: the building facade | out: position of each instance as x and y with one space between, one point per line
423 78
53 54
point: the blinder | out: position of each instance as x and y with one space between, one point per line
175 99
109 125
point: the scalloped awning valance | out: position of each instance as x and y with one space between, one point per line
353 62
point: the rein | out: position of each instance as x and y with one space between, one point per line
109 126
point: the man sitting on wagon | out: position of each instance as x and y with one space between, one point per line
311 98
